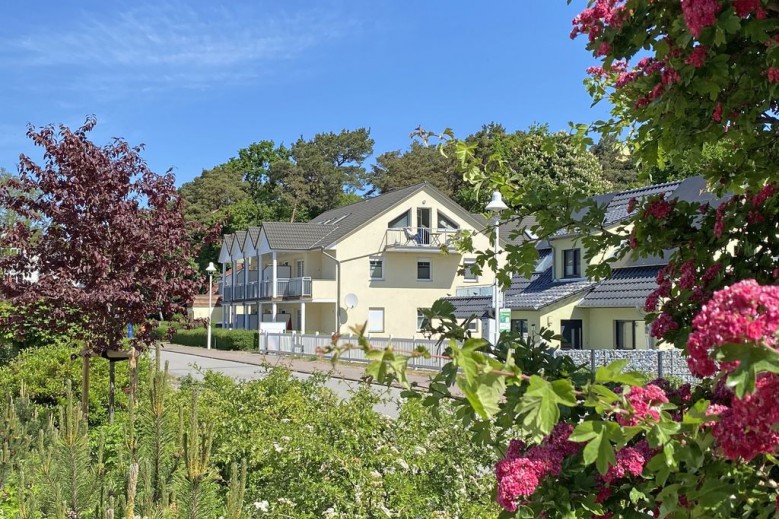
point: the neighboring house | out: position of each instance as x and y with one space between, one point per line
587 314
198 309
380 261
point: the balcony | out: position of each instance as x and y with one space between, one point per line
286 288
414 238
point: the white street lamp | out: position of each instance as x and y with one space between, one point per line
495 206
210 269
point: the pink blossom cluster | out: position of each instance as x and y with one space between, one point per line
630 461
520 474
744 8
716 115
658 208
766 192
773 75
668 76
747 429
644 405
697 57
743 312
699 14
593 20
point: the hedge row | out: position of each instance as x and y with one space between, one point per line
246 340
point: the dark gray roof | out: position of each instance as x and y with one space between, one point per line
541 290
228 241
254 234
240 237
617 209
466 306
348 218
626 288
297 235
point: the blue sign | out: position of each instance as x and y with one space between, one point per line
130 331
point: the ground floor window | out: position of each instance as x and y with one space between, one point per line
421 319
625 335
519 326
375 320
571 331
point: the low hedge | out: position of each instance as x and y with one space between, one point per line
245 340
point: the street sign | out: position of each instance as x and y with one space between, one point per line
504 320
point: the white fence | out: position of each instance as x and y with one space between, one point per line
301 344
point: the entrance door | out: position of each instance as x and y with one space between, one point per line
571 330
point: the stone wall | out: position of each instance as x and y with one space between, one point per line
655 363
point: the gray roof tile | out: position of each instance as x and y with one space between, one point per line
467 306
626 288
541 290
297 235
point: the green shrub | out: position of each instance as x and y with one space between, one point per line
46 371
221 339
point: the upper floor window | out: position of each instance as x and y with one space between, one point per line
424 270
469 274
376 268
572 263
403 220
444 222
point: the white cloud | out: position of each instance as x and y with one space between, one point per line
156 46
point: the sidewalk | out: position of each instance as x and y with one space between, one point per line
344 370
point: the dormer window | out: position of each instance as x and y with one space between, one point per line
572 263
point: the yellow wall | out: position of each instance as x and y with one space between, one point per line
400 293
602 328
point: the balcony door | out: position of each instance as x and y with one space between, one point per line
423 224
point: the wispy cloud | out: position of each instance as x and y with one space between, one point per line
160 45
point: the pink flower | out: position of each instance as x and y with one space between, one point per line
747 429
773 75
744 312
744 8
699 14
629 461
644 404
697 56
662 325
632 204
716 115
659 208
714 410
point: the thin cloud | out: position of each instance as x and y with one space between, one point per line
152 46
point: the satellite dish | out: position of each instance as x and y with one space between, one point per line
351 300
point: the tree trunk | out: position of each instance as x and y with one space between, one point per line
85 385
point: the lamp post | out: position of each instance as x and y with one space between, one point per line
210 269
495 206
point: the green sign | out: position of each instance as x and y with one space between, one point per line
504 320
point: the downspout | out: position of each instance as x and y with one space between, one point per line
337 289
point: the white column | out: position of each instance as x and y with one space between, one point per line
245 314
273 309
274 289
259 316
302 317
245 276
223 279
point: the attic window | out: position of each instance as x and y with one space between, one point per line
401 221
445 222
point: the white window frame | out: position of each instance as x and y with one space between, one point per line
430 269
370 268
467 263
374 315
300 268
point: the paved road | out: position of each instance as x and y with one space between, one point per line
184 361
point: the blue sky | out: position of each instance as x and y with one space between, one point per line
195 81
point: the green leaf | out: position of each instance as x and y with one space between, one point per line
484 393
613 373
539 404
599 448
753 359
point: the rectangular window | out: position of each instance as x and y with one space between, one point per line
625 335
300 268
571 331
519 326
376 268
424 270
375 320
468 272
473 326
421 319
572 263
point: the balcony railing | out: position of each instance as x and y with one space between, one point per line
286 288
420 237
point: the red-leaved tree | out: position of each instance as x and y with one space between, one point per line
101 242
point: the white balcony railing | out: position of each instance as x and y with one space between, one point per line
420 237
